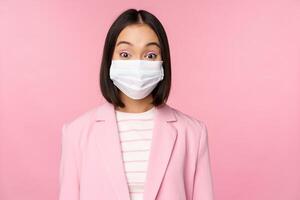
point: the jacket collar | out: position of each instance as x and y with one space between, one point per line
163 140
106 110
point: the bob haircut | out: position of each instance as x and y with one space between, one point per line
132 16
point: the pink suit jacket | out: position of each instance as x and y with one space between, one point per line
91 166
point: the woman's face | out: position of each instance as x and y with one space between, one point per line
137 42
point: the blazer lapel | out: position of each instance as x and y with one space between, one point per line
108 143
163 140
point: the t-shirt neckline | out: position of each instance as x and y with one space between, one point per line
151 110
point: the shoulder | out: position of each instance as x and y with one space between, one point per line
187 119
191 128
81 121
188 122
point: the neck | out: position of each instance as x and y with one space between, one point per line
135 105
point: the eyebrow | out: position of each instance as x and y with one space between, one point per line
148 44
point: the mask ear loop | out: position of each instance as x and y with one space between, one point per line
162 72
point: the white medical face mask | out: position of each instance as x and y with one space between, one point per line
136 78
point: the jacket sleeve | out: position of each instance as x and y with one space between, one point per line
203 183
68 171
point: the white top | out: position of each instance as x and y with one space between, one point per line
135 133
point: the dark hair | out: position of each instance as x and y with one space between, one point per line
132 16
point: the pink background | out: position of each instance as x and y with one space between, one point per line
236 66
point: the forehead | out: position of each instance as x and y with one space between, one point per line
138 35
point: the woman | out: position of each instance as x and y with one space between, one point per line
135 146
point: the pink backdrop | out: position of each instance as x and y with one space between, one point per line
236 65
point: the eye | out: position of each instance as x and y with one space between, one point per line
153 56
124 54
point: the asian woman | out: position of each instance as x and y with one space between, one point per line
135 146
